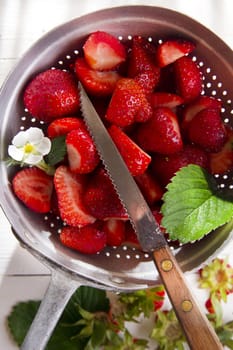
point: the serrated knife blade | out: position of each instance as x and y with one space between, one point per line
199 332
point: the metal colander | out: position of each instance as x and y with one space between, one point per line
122 268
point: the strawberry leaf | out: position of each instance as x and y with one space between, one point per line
58 150
191 207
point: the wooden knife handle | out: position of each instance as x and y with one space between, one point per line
197 328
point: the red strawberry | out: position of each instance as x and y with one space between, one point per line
209 306
115 232
101 198
63 126
128 104
188 78
131 238
171 50
69 188
82 154
34 188
165 167
206 130
222 161
103 51
150 187
141 65
159 297
88 239
165 99
135 158
198 105
161 133
52 94
95 82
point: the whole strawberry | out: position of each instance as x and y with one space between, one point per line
52 94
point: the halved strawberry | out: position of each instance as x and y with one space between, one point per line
198 105
165 167
115 232
150 187
131 238
103 51
207 130
188 79
165 99
128 104
161 133
52 94
171 50
69 188
82 154
95 82
222 161
34 188
101 198
88 239
135 158
63 126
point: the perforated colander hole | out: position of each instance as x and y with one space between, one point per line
76 52
150 39
120 37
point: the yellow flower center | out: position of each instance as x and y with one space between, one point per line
29 148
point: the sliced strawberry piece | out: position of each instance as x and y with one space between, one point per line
135 158
198 105
171 50
103 51
63 126
82 154
141 64
69 188
161 133
128 104
52 94
188 79
101 198
165 167
115 232
88 239
150 187
207 130
34 188
95 82
222 161
131 238
165 99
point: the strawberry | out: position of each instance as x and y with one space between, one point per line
115 232
52 94
188 79
165 99
141 64
88 239
207 130
149 187
198 105
222 161
135 158
103 51
131 238
95 82
159 297
209 306
171 50
161 133
128 104
69 188
34 188
165 167
63 126
101 198
82 154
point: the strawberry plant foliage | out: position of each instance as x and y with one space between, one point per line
191 207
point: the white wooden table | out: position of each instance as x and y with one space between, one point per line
22 277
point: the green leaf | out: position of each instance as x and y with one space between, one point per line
58 151
191 209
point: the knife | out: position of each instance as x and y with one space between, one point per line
199 332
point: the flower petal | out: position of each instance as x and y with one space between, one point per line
20 139
34 135
44 146
16 153
33 159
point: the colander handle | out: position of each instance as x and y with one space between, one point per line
59 291
198 330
